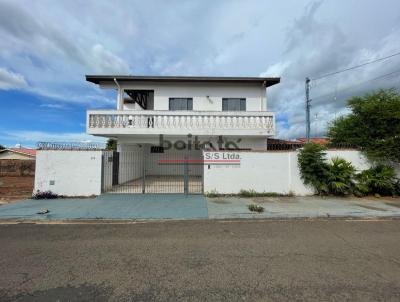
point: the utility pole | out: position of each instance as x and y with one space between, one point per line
308 101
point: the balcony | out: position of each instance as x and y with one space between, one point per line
146 122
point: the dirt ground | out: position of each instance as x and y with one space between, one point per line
14 188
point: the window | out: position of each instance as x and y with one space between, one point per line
156 149
233 104
180 104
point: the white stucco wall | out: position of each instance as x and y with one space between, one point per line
75 173
255 94
267 172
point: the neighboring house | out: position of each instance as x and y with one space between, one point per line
159 118
315 140
18 153
281 144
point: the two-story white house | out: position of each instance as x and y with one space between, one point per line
160 120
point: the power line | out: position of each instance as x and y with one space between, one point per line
354 67
363 82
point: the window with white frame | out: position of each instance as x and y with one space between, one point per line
233 104
180 103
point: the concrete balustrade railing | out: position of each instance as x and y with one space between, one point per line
178 122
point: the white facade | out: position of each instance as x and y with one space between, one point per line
206 96
131 123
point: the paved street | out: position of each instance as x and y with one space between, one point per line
250 260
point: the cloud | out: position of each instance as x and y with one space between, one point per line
32 137
53 106
315 48
11 80
52 55
51 47
104 61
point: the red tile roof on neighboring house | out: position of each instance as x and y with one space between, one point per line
315 140
281 141
26 151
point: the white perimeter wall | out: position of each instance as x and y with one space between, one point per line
75 173
266 172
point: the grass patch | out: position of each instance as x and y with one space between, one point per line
213 194
255 208
252 193
248 193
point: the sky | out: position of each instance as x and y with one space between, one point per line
47 47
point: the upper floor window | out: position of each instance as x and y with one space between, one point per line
233 104
180 103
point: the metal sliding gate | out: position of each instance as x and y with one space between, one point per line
145 172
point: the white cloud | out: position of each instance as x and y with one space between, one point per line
316 48
53 106
53 52
54 56
276 70
104 61
29 137
11 80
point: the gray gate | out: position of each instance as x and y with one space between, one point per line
149 171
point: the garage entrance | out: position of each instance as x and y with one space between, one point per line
150 169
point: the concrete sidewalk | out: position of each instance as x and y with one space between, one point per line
179 206
297 207
110 206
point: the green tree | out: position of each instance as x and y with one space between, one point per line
2 147
313 167
373 125
111 144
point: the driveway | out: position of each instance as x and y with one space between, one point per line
111 206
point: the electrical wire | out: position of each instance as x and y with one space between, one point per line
354 67
363 82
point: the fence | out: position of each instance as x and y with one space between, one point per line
143 171
14 167
78 146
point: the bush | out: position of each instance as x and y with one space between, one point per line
340 179
45 195
213 194
313 167
380 179
255 208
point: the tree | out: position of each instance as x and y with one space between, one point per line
313 167
373 125
2 147
111 144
